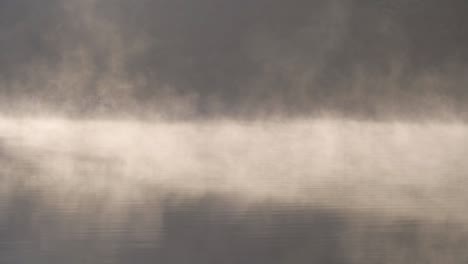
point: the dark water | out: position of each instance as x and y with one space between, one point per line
91 213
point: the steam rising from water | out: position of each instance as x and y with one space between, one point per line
122 188
406 169
390 76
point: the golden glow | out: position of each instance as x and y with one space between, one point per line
390 168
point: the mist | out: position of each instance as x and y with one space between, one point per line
182 60
297 161
262 131
167 183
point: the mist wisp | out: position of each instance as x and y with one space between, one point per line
327 131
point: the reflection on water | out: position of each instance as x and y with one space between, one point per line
320 191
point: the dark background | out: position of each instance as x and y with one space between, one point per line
360 59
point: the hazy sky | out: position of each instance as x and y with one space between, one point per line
241 58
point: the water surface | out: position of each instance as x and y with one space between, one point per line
308 191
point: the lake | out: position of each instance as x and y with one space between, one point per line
300 191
